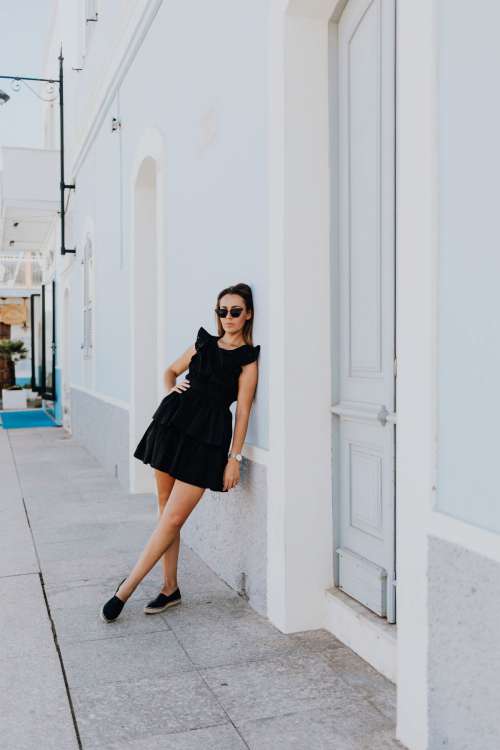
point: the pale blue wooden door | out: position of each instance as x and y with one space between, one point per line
364 413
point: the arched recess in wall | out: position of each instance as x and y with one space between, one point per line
147 298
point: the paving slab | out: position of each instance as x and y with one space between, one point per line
145 707
227 631
75 624
355 727
17 554
108 566
218 737
316 641
25 628
272 687
34 705
124 659
365 679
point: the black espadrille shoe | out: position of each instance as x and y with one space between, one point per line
113 607
162 602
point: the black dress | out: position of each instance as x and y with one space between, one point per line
190 432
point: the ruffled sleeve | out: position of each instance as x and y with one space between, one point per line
202 338
249 354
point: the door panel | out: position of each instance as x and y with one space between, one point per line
365 411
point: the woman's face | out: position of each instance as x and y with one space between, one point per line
230 324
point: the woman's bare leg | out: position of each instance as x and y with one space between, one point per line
182 500
164 485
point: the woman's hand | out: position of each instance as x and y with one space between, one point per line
179 387
231 474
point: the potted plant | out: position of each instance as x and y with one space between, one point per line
13 397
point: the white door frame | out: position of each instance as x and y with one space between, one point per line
300 538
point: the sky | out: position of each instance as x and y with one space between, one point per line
24 26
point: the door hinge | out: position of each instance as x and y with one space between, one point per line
395 366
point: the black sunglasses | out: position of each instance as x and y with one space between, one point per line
234 312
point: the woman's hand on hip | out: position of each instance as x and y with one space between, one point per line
179 387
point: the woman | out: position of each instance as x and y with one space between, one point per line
189 436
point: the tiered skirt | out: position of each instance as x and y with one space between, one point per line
189 438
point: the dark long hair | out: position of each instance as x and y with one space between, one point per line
245 292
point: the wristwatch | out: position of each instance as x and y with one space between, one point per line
237 456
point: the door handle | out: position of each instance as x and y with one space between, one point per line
385 416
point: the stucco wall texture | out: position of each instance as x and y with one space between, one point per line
103 429
229 532
464 648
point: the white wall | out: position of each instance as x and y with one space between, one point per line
469 262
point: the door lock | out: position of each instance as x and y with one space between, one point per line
385 416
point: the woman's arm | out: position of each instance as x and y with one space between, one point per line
177 367
247 383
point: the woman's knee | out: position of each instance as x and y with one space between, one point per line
183 501
175 520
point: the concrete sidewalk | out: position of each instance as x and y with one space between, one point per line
210 674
